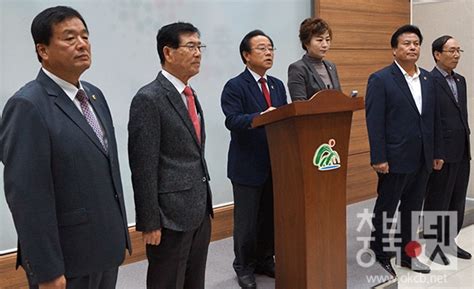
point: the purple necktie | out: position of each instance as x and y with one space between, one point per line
91 119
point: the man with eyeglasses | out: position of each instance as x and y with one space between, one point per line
244 97
169 172
404 148
447 187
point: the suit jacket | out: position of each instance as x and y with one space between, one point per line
454 120
169 172
242 100
304 81
63 189
398 134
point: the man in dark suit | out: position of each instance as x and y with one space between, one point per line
62 179
244 97
400 113
169 172
447 187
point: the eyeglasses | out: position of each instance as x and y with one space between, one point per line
263 49
452 51
192 47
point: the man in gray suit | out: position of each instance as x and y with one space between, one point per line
62 179
169 172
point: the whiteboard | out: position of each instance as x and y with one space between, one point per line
124 58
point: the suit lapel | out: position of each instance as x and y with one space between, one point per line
99 112
461 96
400 80
444 84
273 92
462 100
255 91
314 73
176 101
425 97
199 111
69 109
332 73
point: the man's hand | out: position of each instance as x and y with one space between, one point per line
58 283
152 237
381 168
438 164
268 109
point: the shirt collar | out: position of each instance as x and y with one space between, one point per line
69 88
417 71
178 84
256 76
444 72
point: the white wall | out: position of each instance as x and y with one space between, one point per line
125 58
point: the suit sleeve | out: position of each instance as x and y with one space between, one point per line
29 189
232 105
297 83
144 135
375 111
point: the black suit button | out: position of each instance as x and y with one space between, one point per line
116 196
203 179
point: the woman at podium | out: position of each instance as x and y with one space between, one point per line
312 73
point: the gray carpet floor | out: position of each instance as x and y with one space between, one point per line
220 275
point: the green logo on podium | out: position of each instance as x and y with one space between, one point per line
325 158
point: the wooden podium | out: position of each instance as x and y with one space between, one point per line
309 143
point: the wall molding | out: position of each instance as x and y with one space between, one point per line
222 226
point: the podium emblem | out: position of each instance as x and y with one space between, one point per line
325 158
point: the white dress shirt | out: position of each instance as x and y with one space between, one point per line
180 86
414 84
257 78
71 90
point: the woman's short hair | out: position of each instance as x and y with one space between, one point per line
313 27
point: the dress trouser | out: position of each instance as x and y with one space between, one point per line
447 191
253 227
179 261
406 189
101 280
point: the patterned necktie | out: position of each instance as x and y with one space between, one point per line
452 85
193 111
263 82
89 116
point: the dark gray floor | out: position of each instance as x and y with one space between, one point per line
220 275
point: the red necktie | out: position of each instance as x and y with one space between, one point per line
193 111
263 82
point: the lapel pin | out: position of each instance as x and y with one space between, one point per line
424 78
93 97
457 79
271 86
